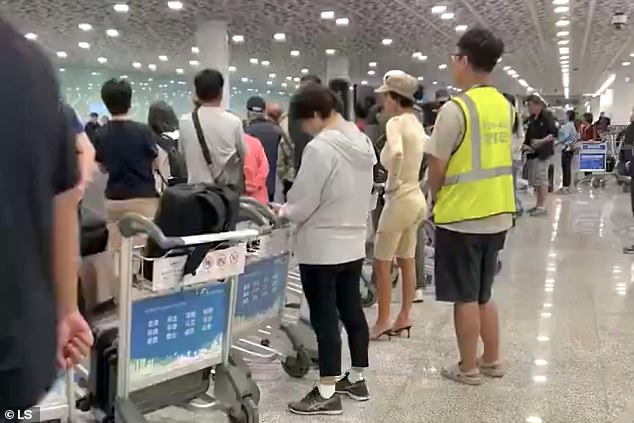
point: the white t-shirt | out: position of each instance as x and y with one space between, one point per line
223 135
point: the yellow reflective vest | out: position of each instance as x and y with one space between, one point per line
479 177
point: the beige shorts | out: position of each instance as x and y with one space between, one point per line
538 172
398 227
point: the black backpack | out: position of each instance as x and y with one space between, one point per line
178 166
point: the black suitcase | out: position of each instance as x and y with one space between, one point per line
102 384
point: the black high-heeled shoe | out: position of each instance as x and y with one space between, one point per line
397 332
387 332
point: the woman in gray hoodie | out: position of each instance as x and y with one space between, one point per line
329 202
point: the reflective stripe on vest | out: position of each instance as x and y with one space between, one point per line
477 172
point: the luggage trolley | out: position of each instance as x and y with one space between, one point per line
57 406
592 159
178 339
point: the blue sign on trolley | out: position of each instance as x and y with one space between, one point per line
173 330
261 290
592 157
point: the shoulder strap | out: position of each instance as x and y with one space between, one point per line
201 137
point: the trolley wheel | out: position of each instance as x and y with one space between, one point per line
297 366
83 403
369 299
265 343
625 187
595 183
248 412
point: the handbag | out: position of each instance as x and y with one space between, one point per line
232 175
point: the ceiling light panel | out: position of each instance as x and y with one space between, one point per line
304 71
84 45
30 36
238 39
295 53
121 8
265 63
560 2
111 32
280 37
232 69
194 63
562 9
447 16
442 67
330 51
163 58
195 50
563 33
85 26
562 23
136 65
180 71
437 10
254 61
62 54
102 60
272 75
372 64
151 67
386 41
342 21
175 5
461 28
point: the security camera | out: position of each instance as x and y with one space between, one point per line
619 20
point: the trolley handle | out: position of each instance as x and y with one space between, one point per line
132 224
264 211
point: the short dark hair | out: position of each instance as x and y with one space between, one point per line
311 99
94 115
310 78
572 115
401 100
117 96
209 84
535 99
588 117
482 48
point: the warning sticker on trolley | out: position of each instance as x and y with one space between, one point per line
217 265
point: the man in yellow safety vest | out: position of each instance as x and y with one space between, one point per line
470 175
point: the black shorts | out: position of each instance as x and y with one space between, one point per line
465 265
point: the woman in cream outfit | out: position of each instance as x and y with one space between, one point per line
405 205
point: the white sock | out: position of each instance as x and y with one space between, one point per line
326 391
355 375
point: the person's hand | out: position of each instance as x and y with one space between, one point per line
74 339
276 207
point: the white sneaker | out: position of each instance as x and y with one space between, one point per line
419 295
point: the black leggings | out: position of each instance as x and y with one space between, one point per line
566 167
332 292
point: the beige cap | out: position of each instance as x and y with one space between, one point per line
399 82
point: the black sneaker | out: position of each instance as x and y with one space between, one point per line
358 391
314 403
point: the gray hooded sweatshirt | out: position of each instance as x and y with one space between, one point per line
330 199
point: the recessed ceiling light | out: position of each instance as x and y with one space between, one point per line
506 68
342 21
626 63
420 78
565 62
443 66
175 5
564 50
295 53
102 60
254 61
327 14
180 71
371 72
289 78
562 9
136 65
112 32
435 82
563 33
62 70
447 16
121 8
151 67
85 26
284 85
422 57
244 79
232 69
560 2
304 71
272 75
523 83
372 64
162 58
437 10
265 63
30 36
461 28
330 51
416 54
195 50
194 63
564 57
539 378
269 82
562 22
386 41
515 76
364 82
563 42
533 419
279 37
83 44
238 39
296 79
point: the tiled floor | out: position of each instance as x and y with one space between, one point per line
568 335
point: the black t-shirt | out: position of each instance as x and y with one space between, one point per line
539 127
37 162
127 150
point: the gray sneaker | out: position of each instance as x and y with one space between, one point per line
358 391
314 403
538 212
457 375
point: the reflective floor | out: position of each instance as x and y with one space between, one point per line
568 334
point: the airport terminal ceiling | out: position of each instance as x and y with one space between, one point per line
422 33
